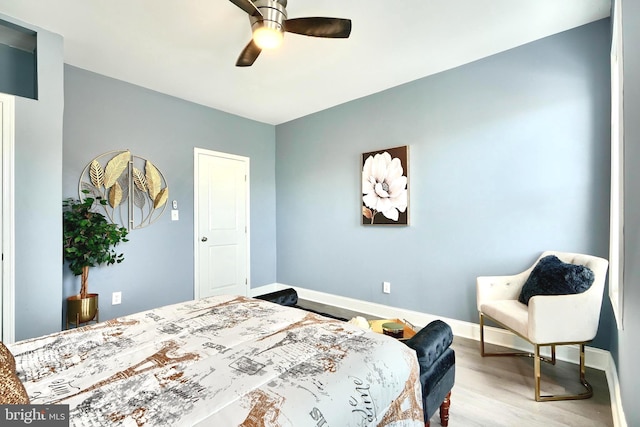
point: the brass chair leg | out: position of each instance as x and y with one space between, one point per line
482 335
537 358
536 372
583 381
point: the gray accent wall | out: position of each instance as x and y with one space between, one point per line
509 156
628 349
38 217
104 114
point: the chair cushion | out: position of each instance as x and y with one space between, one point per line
511 313
551 276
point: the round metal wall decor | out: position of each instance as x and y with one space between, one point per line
135 190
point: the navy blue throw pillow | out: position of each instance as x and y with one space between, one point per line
551 276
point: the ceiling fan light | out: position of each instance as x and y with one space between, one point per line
267 38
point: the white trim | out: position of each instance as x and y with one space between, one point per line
266 289
196 205
617 412
616 226
8 218
594 357
246 160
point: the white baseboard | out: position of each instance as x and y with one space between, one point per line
594 357
617 412
261 290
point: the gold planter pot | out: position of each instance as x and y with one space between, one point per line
82 310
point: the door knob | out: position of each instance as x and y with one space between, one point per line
204 239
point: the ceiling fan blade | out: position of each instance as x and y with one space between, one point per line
319 27
247 6
248 55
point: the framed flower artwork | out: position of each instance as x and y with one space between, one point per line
385 186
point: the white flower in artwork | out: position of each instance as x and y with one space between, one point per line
384 186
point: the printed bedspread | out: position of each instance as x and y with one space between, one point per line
224 361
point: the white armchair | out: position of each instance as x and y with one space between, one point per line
547 320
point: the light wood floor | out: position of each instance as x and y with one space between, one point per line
498 391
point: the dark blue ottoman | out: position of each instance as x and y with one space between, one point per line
437 368
288 297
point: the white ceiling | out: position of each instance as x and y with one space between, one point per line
188 48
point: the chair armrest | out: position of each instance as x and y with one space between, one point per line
494 288
431 342
564 318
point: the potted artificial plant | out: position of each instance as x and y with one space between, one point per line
88 241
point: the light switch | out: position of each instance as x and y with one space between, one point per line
174 215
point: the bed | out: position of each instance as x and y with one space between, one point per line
224 361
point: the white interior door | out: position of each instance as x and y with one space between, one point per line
221 224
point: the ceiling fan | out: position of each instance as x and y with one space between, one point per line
269 22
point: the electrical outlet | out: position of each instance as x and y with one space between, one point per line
386 287
116 298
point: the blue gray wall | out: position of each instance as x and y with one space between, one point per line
102 114
517 138
629 338
38 217
509 156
